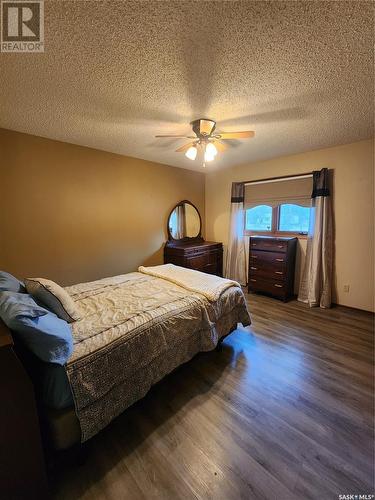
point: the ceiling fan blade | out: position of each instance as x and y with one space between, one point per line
236 135
177 136
220 146
185 147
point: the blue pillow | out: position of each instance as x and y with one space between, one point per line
9 283
41 331
13 304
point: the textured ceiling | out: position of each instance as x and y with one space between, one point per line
116 73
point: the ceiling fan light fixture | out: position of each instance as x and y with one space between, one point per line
191 153
211 149
207 140
208 157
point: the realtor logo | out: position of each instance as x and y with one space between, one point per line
22 26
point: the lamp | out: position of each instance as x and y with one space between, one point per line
191 153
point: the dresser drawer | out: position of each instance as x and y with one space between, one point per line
260 257
270 245
278 288
213 257
197 262
271 272
210 269
195 251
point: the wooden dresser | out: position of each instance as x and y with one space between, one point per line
271 265
205 256
186 247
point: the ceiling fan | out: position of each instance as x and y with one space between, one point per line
207 139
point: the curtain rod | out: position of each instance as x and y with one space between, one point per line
280 178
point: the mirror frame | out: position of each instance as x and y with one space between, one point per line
186 238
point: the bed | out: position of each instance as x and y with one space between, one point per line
135 329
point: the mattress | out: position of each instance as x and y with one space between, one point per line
135 329
53 384
54 387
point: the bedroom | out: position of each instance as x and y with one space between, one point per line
279 408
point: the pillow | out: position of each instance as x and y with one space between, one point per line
54 297
41 331
10 283
13 304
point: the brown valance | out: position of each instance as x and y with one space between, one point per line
294 191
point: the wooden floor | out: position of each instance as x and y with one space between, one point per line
283 412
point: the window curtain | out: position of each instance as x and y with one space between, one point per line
181 221
316 283
235 267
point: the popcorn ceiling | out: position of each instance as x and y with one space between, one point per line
116 73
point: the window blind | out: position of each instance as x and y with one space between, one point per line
273 193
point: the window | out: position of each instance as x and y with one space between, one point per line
294 218
259 218
283 218
278 206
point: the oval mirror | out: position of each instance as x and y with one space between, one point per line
184 221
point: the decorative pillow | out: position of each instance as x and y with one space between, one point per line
9 283
41 331
54 297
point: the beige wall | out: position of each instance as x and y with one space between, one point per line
353 203
75 214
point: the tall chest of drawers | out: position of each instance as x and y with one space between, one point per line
271 265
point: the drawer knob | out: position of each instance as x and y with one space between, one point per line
252 280
279 260
254 256
279 272
278 286
255 268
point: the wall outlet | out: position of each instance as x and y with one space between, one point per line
346 288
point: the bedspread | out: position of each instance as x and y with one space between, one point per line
209 285
135 329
